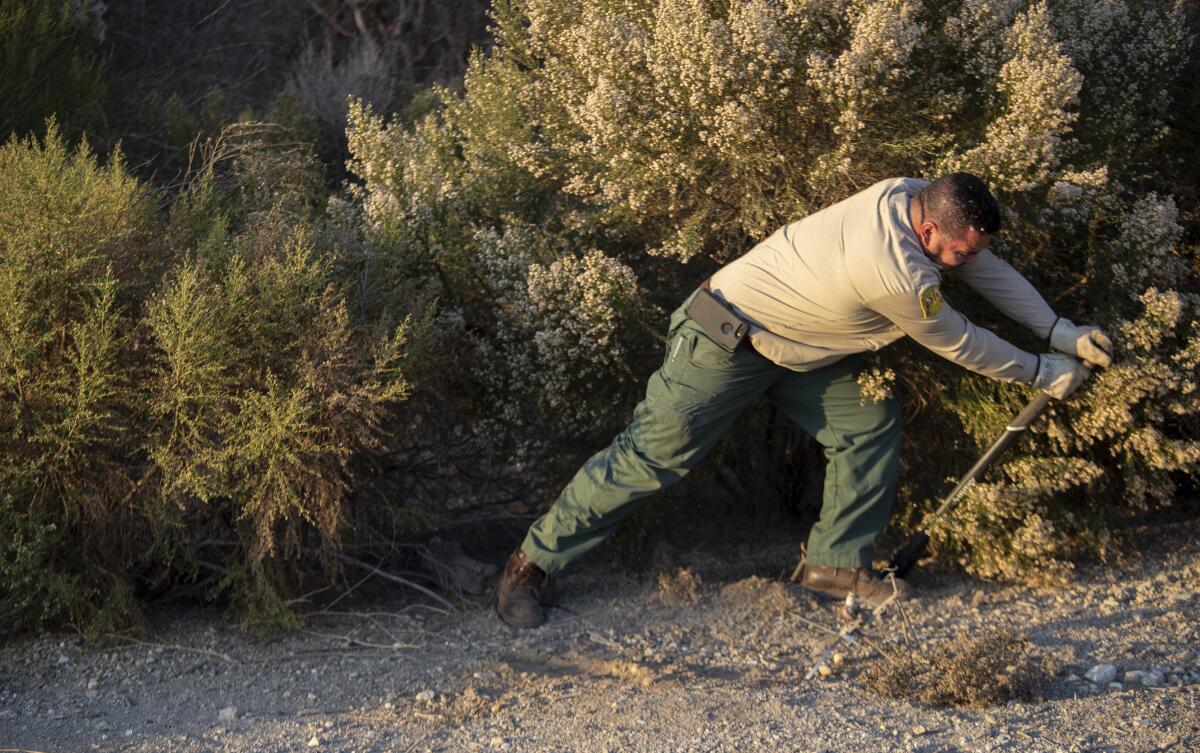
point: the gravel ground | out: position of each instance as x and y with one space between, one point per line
711 660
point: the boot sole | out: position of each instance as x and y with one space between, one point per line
520 625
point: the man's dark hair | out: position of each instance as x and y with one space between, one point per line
959 201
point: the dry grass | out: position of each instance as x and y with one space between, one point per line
994 668
679 586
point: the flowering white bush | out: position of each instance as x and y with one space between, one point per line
604 148
1038 87
555 359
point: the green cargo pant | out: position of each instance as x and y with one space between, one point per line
691 400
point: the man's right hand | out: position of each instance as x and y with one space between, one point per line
1059 375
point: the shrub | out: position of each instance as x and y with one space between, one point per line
676 133
993 668
319 88
190 397
274 383
49 64
264 393
76 255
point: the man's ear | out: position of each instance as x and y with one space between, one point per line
928 230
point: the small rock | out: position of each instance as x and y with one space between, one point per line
313 741
425 696
838 659
1074 678
496 743
1116 686
825 670
1153 679
227 714
1134 676
93 684
312 696
62 659
919 730
1101 674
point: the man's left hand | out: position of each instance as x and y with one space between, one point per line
1088 342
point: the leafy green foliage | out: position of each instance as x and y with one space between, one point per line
199 394
74 253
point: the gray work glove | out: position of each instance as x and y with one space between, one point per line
1059 375
1087 342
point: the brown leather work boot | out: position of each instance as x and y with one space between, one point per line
869 586
524 590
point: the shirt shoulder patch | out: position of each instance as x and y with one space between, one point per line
931 301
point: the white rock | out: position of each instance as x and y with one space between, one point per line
425 696
1101 674
62 659
227 714
93 684
313 741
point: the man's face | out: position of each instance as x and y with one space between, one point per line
949 251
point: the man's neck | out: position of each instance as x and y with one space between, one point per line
916 215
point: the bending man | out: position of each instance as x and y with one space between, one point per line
791 319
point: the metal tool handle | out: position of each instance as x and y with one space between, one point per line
1011 432
912 550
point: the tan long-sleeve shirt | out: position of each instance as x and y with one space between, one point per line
853 278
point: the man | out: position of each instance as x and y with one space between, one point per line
812 297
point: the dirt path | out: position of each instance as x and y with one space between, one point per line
628 665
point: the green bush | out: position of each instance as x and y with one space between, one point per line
75 254
264 393
50 64
667 137
184 401
275 378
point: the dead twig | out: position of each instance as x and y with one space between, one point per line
344 594
848 633
375 570
173 647
817 625
357 642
